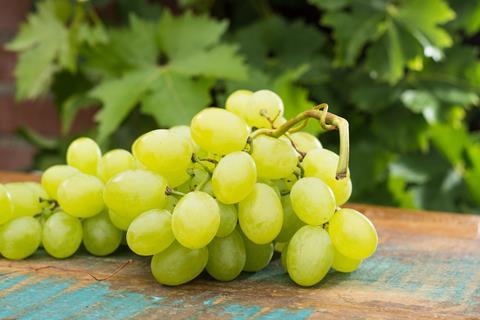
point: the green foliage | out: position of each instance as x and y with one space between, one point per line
402 72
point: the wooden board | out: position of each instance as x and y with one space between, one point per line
427 267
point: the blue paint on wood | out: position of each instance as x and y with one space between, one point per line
30 296
7 282
287 314
93 302
240 312
55 300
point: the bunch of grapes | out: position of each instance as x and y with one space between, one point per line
220 195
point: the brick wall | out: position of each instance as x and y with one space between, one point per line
40 115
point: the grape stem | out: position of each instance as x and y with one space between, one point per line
328 121
169 191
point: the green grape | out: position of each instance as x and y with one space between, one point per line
226 257
274 158
121 222
239 103
178 265
260 214
184 131
163 152
195 220
54 176
100 236
39 193
25 200
219 131
264 102
310 255
20 238
234 177
283 257
114 162
345 264
170 203
258 255
228 219
352 234
175 177
132 192
84 154
272 183
6 205
151 232
303 141
81 196
322 163
62 235
313 201
291 222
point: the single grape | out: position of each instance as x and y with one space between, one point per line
228 219
345 264
310 255
291 222
260 214
313 201
226 257
54 176
219 131
119 221
25 200
184 131
151 232
114 162
195 219
132 192
322 163
234 177
6 205
84 154
352 234
163 152
100 236
62 235
263 104
178 265
239 103
20 238
274 158
258 255
81 196
303 141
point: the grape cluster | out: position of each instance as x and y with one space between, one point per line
219 195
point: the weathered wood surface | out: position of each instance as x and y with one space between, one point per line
427 267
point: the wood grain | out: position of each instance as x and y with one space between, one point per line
427 266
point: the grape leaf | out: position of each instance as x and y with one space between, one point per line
421 101
119 97
184 35
42 40
174 99
422 19
352 31
222 61
274 44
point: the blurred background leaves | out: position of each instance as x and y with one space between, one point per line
405 73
